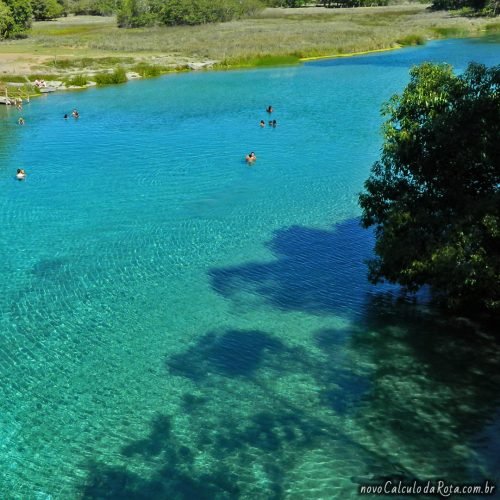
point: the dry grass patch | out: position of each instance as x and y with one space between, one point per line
274 35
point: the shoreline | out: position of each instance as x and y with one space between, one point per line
361 53
59 83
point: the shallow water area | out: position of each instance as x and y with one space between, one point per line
177 324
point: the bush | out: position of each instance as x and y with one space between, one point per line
475 5
77 81
118 76
44 10
137 13
134 14
95 7
193 12
285 3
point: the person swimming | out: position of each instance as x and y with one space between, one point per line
66 116
21 121
75 114
21 174
273 124
269 109
262 123
250 157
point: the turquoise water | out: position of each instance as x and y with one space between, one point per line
176 324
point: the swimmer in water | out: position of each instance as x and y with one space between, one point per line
262 123
269 109
21 174
250 158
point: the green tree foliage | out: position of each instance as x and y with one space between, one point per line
434 196
6 21
44 10
484 7
94 7
135 13
286 3
352 3
15 18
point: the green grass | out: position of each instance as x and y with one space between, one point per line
86 62
118 76
45 76
77 81
89 62
411 40
12 78
450 32
492 28
274 37
258 61
148 70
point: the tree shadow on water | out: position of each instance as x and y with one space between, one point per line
173 476
434 388
241 437
315 271
232 353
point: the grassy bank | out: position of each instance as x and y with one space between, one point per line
90 45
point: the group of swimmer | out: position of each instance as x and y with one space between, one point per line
272 123
21 174
251 157
74 114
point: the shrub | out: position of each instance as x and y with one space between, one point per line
43 10
95 7
77 81
136 13
118 76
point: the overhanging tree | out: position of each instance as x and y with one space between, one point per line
434 196
15 18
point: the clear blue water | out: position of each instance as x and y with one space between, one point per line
176 324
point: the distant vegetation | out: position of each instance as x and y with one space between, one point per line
434 196
44 10
16 16
136 13
471 7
